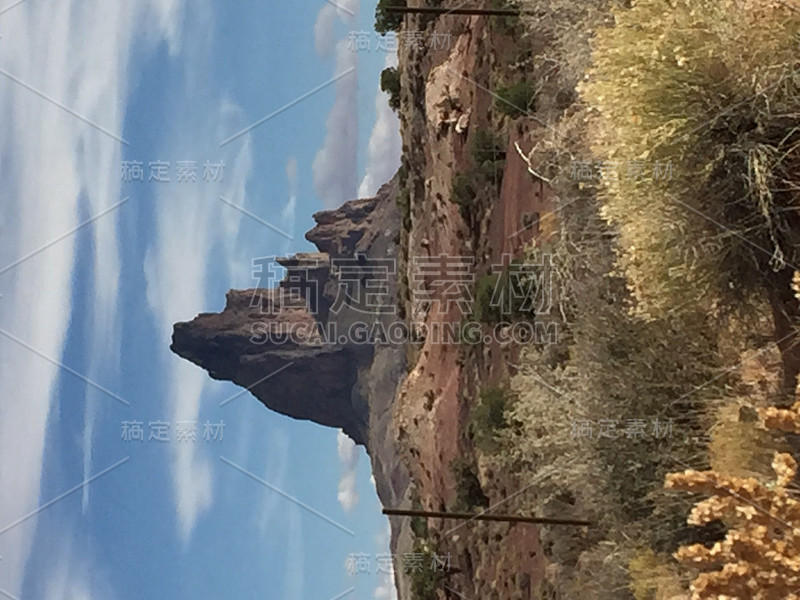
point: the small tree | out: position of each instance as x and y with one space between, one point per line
390 83
516 99
469 493
425 579
385 21
464 194
489 417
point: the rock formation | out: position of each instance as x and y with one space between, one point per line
292 347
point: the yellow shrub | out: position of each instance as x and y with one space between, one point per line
760 556
706 90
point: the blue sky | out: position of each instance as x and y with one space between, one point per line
96 269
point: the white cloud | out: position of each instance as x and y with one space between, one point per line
191 229
335 166
348 455
324 31
385 143
291 175
169 19
71 575
386 590
275 473
57 170
294 585
195 232
325 25
89 418
289 212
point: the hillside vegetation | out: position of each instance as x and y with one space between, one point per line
677 358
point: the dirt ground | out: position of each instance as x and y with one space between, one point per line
432 413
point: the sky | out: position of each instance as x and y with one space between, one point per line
258 115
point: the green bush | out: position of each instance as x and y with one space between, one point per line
509 296
511 26
390 83
464 194
516 99
385 22
483 310
488 151
487 144
489 418
469 493
469 334
425 579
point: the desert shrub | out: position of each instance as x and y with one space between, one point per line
404 197
516 99
470 190
566 28
425 579
516 293
511 26
488 151
759 555
404 203
611 372
697 103
483 309
487 144
469 493
385 22
489 417
464 194
390 83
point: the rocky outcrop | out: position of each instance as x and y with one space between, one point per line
293 346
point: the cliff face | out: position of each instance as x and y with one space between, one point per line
293 346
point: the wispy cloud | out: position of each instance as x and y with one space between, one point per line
348 455
191 229
325 31
195 245
335 166
385 144
56 169
294 586
275 472
289 212
71 574
387 589
325 25
89 419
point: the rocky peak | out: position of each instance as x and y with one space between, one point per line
338 232
275 342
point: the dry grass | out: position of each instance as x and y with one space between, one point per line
708 87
